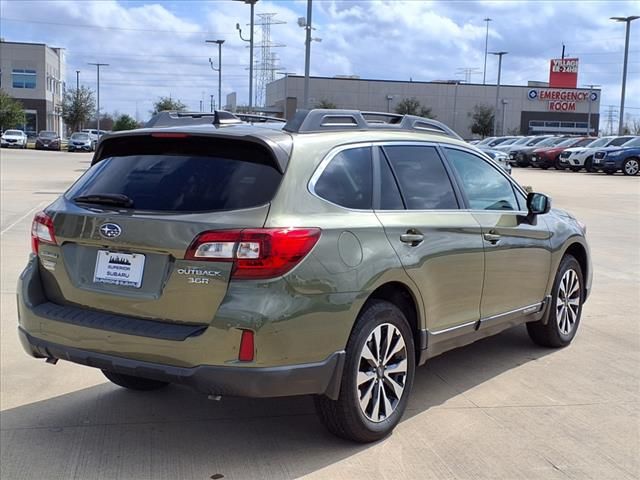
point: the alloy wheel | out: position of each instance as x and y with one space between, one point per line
382 372
631 167
568 301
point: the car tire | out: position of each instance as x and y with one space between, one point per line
631 166
557 165
357 413
565 308
133 383
588 165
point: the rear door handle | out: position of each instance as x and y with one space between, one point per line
412 238
492 238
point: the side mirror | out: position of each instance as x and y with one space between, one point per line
538 203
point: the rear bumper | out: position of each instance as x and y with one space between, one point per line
304 379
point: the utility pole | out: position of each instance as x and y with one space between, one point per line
486 45
77 81
252 3
219 69
628 21
495 112
211 103
98 65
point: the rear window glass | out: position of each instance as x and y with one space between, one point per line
347 179
182 175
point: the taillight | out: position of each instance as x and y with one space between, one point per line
42 231
255 253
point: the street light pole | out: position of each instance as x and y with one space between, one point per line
250 40
77 81
98 65
219 42
307 54
591 87
628 21
495 112
486 45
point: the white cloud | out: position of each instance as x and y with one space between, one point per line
158 47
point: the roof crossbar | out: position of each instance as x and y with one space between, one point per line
321 120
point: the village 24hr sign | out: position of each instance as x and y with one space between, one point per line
561 100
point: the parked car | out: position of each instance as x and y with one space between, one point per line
523 156
499 157
321 259
94 134
546 157
485 141
81 141
577 158
13 139
514 150
625 158
507 146
47 140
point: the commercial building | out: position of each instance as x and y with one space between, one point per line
34 73
535 108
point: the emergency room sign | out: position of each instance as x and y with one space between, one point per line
561 100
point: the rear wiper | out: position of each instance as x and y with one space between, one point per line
112 199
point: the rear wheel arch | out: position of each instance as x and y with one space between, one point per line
400 295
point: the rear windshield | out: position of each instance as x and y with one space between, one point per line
182 175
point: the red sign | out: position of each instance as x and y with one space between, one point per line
563 73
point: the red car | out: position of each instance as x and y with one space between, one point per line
550 156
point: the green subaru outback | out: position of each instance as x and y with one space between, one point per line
329 256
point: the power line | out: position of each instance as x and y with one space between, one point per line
104 27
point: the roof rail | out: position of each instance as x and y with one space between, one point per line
254 118
169 118
321 120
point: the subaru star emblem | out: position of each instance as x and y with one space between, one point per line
110 230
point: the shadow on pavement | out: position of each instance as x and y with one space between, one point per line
108 432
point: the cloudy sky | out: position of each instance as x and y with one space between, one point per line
157 48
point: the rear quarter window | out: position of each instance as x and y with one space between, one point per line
194 174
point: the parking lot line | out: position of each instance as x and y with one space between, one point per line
30 212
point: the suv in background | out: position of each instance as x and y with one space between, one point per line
625 158
13 139
48 141
80 141
546 157
577 158
329 257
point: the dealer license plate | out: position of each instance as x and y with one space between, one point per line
119 268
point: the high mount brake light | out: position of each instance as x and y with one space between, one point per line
170 135
42 231
256 253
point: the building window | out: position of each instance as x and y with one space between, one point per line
23 78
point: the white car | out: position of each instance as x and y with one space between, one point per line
13 138
578 157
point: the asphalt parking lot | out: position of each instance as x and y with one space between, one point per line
500 408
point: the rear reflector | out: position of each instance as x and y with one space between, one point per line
41 231
245 354
256 253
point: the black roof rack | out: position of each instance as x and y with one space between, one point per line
255 118
322 120
169 118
